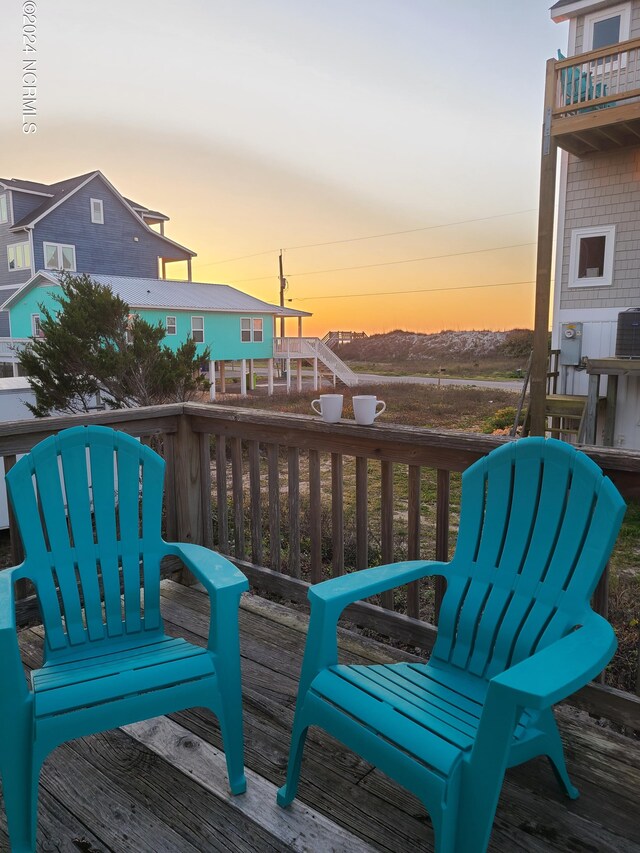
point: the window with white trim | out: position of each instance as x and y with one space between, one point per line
97 211
170 326
19 256
197 329
36 328
58 256
251 329
4 209
591 258
608 26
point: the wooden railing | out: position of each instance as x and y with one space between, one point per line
293 500
600 78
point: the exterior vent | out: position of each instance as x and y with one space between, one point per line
628 337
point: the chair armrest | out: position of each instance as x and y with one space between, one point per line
214 571
328 600
224 584
562 668
337 593
14 689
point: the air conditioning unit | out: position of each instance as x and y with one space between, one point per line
628 336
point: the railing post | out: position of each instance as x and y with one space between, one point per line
188 483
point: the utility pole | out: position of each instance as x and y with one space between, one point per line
283 286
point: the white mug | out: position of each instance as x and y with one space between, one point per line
330 407
365 408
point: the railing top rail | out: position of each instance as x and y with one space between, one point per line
600 53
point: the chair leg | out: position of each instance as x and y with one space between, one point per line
233 744
554 751
287 793
20 788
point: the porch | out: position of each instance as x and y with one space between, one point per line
161 785
293 500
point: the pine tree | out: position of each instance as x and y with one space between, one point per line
94 345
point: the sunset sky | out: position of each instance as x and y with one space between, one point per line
262 125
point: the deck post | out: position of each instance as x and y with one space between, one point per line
243 377
549 158
223 383
288 363
270 377
212 380
315 373
252 384
188 269
299 375
187 480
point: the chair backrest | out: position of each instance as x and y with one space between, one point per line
537 525
88 503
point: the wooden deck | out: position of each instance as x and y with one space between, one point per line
160 786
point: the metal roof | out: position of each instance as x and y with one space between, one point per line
177 295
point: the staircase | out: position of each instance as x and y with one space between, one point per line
310 348
567 416
333 339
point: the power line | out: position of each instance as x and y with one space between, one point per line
421 290
388 263
374 236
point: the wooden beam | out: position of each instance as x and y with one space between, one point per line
544 260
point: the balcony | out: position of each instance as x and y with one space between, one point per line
293 500
596 99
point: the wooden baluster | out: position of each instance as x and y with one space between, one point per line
237 487
256 509
315 516
274 507
293 460
386 523
221 494
362 513
442 534
171 532
205 486
337 514
600 603
17 549
413 538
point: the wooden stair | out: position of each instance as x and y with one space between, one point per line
565 415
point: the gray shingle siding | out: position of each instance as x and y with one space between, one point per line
7 238
108 248
604 190
24 203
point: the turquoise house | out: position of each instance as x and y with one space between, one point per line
237 327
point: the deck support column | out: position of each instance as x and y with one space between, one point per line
223 381
243 377
288 363
188 269
539 368
270 377
315 373
212 380
299 375
252 384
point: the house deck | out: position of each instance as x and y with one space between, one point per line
161 785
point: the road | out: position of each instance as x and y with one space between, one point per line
374 378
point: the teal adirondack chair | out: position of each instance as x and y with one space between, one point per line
516 635
88 503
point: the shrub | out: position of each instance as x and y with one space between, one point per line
501 419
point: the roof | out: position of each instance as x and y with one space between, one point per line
166 294
564 9
61 191
25 186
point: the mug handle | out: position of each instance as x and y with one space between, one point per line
317 411
384 406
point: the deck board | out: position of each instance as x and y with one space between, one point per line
146 788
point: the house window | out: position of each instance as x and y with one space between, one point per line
608 26
171 325
97 211
251 329
197 329
591 258
58 256
4 209
19 256
36 329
